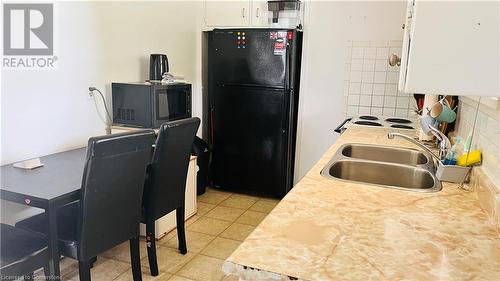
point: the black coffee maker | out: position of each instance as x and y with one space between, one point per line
158 65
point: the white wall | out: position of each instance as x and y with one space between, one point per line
328 26
97 43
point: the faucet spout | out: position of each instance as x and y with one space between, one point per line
391 136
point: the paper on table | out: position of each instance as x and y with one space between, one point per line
29 164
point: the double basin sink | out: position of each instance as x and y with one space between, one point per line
385 166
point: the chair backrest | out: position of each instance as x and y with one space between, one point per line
166 184
112 188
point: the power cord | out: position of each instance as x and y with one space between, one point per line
91 93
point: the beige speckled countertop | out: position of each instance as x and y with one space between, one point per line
331 230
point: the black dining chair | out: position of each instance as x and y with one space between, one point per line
165 185
21 253
109 210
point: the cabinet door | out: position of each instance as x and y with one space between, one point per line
453 48
260 14
406 46
227 13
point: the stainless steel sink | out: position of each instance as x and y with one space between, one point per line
386 154
391 167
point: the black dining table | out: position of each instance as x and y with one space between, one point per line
55 184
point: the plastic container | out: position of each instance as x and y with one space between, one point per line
200 149
452 173
287 19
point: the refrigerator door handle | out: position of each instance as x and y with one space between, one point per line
212 124
277 88
284 125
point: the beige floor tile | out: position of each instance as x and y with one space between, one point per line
239 201
237 231
251 218
146 276
221 248
203 268
173 232
230 278
108 269
220 191
169 260
167 236
203 208
179 278
192 219
68 265
213 197
122 252
265 206
225 213
195 241
209 226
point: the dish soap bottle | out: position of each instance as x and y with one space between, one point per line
456 149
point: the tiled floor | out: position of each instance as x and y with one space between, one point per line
223 220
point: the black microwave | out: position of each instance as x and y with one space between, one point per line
148 105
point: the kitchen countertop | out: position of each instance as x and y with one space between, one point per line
326 229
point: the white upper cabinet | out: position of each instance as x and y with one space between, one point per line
227 13
260 14
451 47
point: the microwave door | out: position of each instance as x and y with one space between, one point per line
161 112
163 109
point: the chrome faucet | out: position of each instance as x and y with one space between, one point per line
391 136
442 140
443 143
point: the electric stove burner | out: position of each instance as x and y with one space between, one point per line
398 120
368 123
402 126
368 117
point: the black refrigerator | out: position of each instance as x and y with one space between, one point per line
253 94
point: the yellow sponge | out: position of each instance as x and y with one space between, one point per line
469 159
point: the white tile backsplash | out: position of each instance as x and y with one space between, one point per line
353 100
381 65
354 88
380 77
486 135
378 89
402 102
365 100
394 43
367 77
392 77
376 110
382 53
401 112
357 64
355 76
370 84
378 101
357 53
369 65
389 101
366 89
364 110
370 53
352 110
391 89
388 111
396 51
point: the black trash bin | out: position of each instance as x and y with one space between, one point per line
200 149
